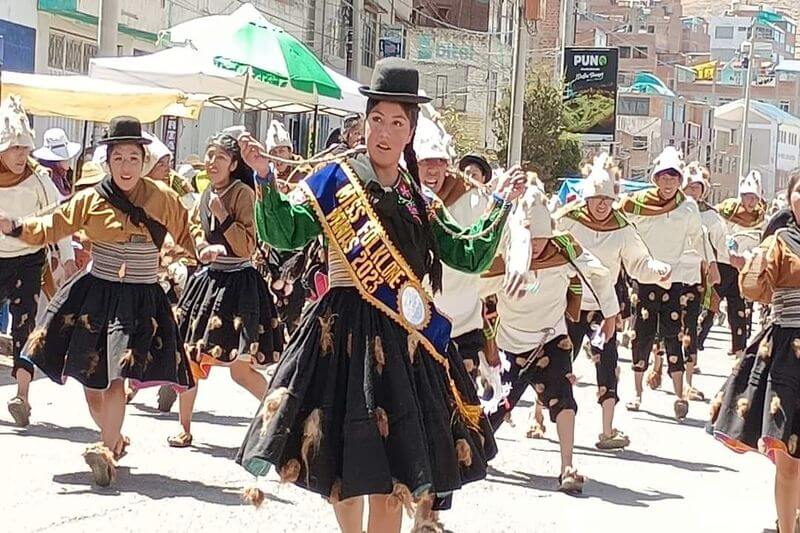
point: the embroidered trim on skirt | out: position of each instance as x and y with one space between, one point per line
97 331
759 406
355 408
225 316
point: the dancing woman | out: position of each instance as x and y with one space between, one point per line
114 322
759 406
367 399
226 315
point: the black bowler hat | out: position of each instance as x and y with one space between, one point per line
124 130
395 80
479 161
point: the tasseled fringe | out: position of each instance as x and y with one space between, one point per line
312 436
68 322
775 405
382 421
380 358
765 350
413 343
36 341
272 403
215 322
326 333
464 453
401 498
238 322
470 414
743 407
92 361
792 445
290 472
254 496
127 359
86 323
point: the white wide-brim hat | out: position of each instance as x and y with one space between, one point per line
431 141
57 146
599 182
669 159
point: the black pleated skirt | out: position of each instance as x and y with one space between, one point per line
354 408
97 331
224 316
759 406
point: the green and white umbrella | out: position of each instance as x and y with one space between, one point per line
244 42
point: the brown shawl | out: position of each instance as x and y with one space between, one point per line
732 211
455 185
648 203
9 179
580 213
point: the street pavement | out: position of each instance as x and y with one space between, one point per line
673 477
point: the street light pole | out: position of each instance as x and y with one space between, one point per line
107 28
518 87
744 155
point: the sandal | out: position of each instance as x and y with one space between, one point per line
123 449
181 440
20 411
634 405
681 409
695 395
571 482
536 431
166 398
101 461
654 378
616 441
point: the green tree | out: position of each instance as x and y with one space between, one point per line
546 148
464 137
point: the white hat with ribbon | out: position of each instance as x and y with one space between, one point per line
669 159
15 130
278 136
56 146
599 181
431 141
751 184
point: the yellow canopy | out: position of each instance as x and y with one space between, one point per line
85 98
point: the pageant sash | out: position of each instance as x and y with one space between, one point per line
379 271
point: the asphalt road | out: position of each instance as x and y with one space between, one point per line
672 478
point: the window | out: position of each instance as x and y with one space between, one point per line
639 107
370 39
639 52
624 52
72 54
723 32
742 29
441 91
55 50
651 29
784 105
640 142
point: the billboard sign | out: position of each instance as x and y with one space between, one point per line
590 92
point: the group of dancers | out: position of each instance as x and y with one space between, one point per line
406 305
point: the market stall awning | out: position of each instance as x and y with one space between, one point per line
85 98
192 71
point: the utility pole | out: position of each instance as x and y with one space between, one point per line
567 28
107 28
518 86
744 155
358 20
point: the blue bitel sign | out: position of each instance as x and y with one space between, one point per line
590 91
